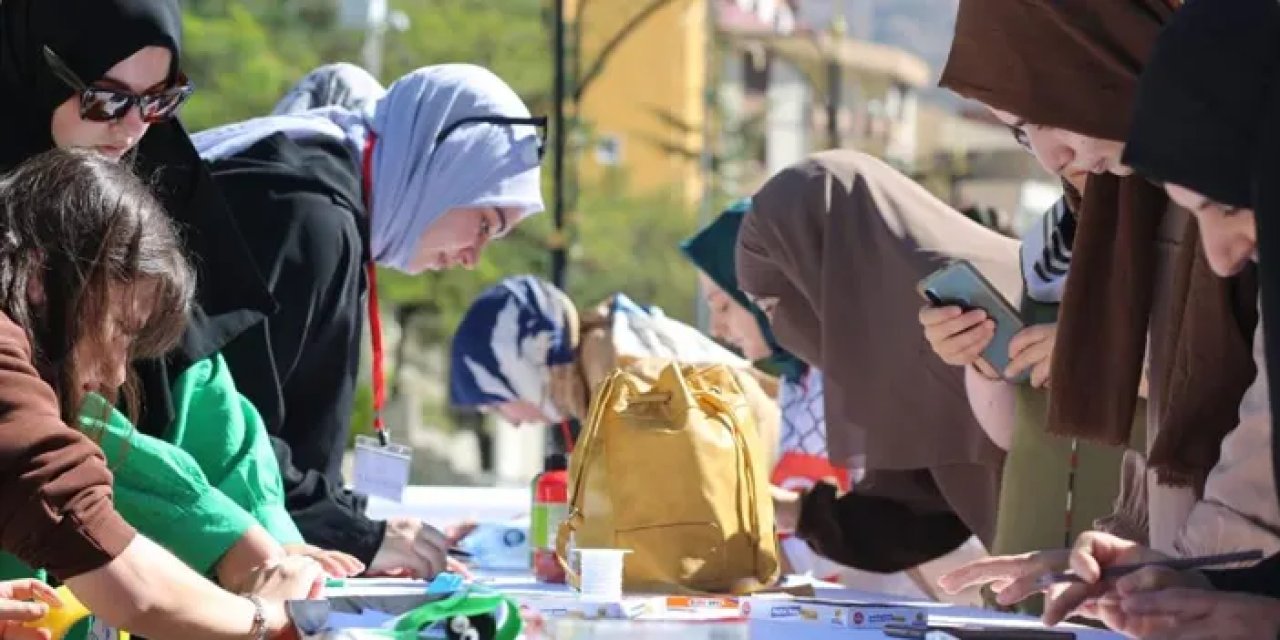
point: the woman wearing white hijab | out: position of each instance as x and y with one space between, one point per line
421 178
340 84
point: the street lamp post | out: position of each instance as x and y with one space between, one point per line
834 80
373 17
559 240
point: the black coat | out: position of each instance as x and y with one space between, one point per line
234 303
299 210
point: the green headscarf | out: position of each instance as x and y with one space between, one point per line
711 250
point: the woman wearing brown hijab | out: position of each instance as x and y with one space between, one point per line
1064 74
832 251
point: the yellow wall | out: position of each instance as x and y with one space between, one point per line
650 94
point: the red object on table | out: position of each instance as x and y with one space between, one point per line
550 508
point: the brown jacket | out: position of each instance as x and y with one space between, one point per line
56 510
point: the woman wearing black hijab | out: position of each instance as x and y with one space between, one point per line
98 74
1207 126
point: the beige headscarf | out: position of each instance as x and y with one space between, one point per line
841 240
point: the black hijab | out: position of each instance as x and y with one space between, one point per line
1202 97
1208 119
91 36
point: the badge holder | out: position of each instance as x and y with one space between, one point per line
382 469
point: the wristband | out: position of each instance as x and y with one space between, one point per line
259 629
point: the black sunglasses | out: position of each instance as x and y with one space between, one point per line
536 121
100 104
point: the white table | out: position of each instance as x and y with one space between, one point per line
780 630
442 506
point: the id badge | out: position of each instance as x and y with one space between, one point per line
382 471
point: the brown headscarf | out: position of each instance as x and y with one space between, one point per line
1074 65
841 240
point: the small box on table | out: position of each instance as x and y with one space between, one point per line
833 613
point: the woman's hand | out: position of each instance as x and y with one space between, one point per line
410 548
23 601
296 577
254 549
1093 552
1110 607
293 578
1187 614
334 563
958 336
1012 578
1032 350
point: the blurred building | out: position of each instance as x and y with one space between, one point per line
644 110
773 88
808 89
971 159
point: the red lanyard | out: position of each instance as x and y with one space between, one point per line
379 382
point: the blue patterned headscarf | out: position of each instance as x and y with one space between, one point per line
711 250
506 343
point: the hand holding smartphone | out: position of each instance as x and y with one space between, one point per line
961 284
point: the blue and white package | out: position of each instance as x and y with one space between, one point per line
498 546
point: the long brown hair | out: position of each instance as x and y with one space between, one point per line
80 229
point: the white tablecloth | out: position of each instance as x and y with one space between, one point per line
442 506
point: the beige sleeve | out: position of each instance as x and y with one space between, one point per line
1129 517
1239 510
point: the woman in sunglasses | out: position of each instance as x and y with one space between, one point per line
421 179
103 75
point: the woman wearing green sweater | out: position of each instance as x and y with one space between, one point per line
208 484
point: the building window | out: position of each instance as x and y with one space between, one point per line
608 149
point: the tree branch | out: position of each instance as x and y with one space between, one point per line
597 67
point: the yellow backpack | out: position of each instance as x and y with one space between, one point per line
670 466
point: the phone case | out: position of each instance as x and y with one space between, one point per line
961 284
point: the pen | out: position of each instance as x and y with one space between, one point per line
1177 564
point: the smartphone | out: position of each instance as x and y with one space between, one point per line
968 632
961 284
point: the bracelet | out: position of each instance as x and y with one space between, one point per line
259 629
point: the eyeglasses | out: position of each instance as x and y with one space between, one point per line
101 104
537 121
1020 135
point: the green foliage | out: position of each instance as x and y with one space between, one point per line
244 54
630 244
361 414
508 37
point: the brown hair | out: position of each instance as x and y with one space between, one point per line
81 229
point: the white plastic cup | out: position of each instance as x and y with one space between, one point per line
600 571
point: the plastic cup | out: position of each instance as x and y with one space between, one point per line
600 571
